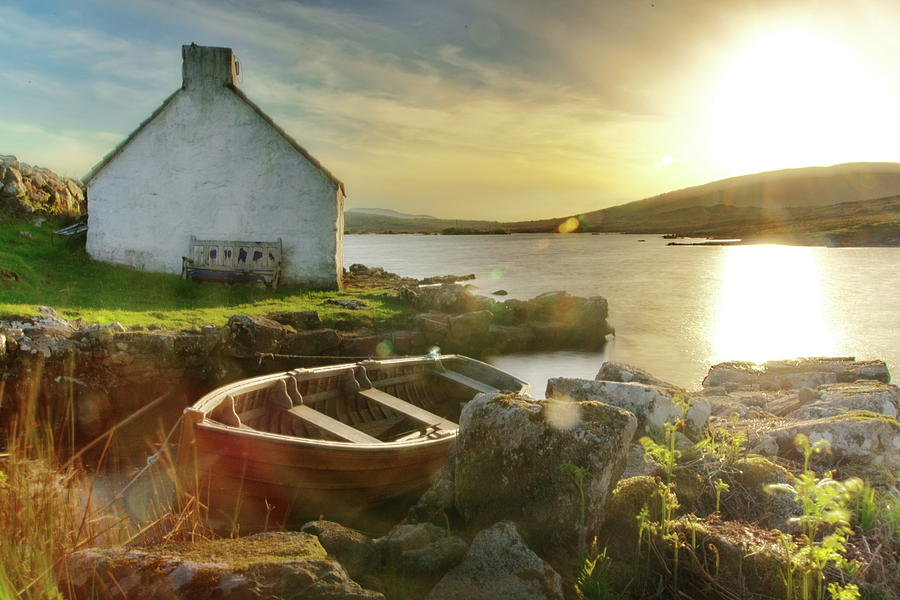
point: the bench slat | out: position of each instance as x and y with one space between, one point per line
466 381
234 260
410 410
332 426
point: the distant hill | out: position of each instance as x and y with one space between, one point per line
363 222
771 191
387 212
848 204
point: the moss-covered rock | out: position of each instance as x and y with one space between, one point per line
835 399
509 465
280 565
652 405
854 437
772 509
714 559
499 565
619 534
356 552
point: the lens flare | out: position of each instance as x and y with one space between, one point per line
384 348
569 225
562 412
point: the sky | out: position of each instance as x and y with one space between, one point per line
501 109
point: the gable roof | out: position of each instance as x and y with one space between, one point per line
288 138
115 151
291 141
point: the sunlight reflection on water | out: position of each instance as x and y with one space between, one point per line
770 305
676 310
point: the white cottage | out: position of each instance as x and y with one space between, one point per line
209 163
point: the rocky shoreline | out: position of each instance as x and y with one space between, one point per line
110 371
533 485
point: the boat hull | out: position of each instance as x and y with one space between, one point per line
250 480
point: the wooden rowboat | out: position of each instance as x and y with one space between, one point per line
328 441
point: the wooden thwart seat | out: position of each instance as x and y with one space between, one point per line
407 409
466 381
332 426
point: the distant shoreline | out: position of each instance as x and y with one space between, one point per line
806 239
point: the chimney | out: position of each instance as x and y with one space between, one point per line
205 66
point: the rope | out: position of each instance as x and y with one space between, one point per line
151 460
272 356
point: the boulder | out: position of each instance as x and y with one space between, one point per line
288 565
359 343
434 326
468 331
613 371
448 298
795 373
637 464
837 398
356 552
435 504
248 334
316 342
509 338
771 509
499 565
299 319
620 531
732 372
857 437
421 551
514 461
737 559
407 342
652 405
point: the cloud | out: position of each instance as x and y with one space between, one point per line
70 153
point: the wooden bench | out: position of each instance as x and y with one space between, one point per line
220 260
80 226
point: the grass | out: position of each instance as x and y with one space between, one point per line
34 272
51 506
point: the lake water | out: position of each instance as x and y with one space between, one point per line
676 310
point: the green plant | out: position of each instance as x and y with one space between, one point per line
663 452
593 579
720 486
843 592
579 476
724 445
825 527
865 507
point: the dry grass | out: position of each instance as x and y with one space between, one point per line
52 505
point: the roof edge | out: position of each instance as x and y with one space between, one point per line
121 146
340 184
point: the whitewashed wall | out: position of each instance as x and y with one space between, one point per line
208 165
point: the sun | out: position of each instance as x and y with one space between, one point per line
795 98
